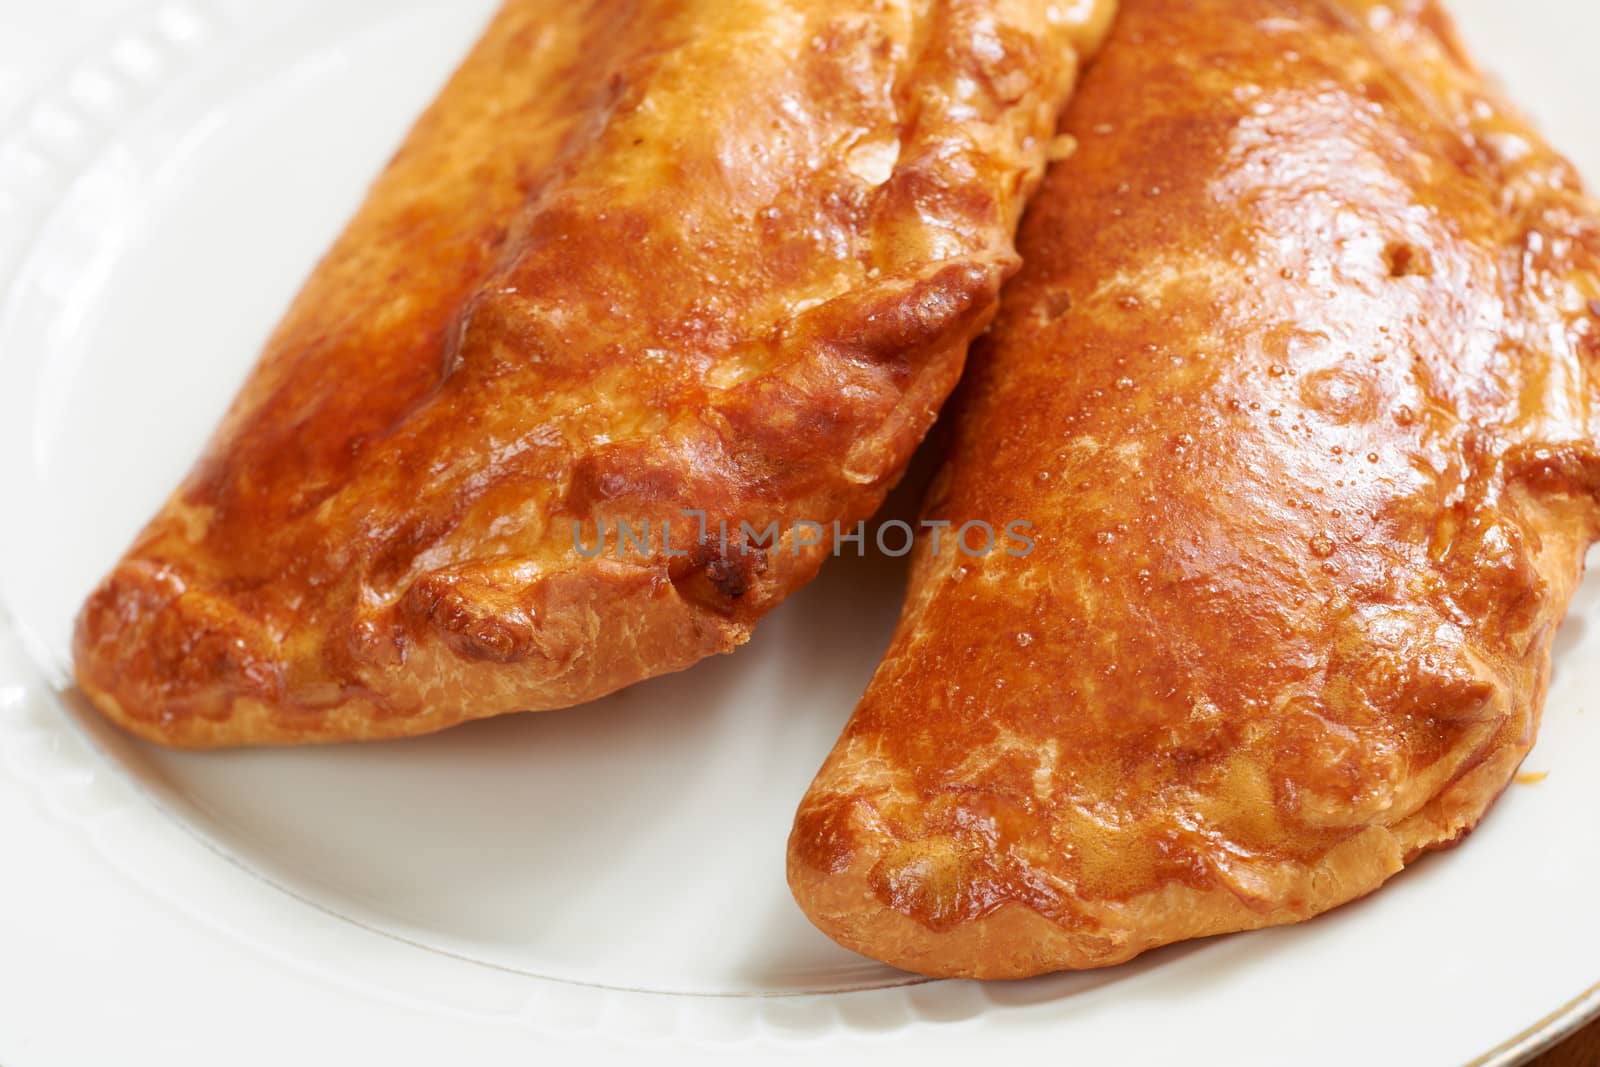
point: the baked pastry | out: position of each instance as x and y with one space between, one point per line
721 257
1298 390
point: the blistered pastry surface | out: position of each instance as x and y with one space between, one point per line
1297 390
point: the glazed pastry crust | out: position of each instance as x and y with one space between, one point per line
638 258
1297 388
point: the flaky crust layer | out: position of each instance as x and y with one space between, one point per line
638 258
1297 388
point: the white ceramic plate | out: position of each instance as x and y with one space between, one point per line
574 882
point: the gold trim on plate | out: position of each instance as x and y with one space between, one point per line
1545 1034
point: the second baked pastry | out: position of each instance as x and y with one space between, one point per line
1297 389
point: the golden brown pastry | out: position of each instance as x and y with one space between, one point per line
1297 388
721 256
